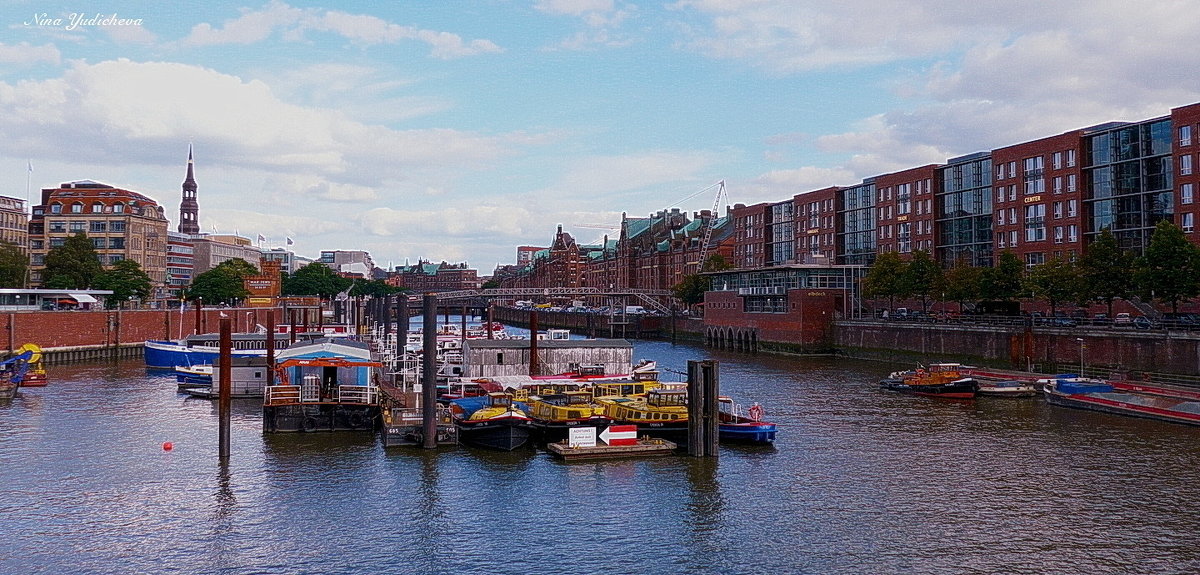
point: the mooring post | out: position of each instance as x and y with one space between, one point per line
270 347
703 390
489 320
225 373
429 371
534 368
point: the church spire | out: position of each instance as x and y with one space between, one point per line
189 209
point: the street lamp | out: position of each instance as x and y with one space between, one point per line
1080 340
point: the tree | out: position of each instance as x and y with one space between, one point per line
922 278
72 265
1104 269
491 284
126 280
14 266
1055 281
715 263
884 278
963 283
315 279
374 288
225 283
691 289
1003 282
1168 270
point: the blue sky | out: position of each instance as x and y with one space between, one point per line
458 130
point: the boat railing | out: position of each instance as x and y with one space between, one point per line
295 394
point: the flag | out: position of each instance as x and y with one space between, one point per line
261 239
290 242
30 164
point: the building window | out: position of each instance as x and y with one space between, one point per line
57 242
119 208
1000 218
58 227
114 259
97 208
1185 194
1012 239
1057 160
1070 183
97 228
1072 233
116 243
1070 158
98 243
1035 222
1187 223
1034 259
1058 234
37 259
1058 210
77 208
36 244
1185 135
76 227
1072 206
1058 184
1185 165
56 208
116 226
1012 193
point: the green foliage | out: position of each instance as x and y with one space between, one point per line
1169 268
72 265
1055 282
963 283
1002 282
222 284
14 266
884 278
922 278
374 288
691 290
315 279
715 263
126 280
490 284
1104 270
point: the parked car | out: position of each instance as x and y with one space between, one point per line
1101 319
1142 322
1060 319
1123 319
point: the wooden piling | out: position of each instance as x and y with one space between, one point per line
225 391
703 423
429 372
270 347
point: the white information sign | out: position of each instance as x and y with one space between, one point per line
581 437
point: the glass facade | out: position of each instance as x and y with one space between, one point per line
964 212
856 238
781 247
1129 178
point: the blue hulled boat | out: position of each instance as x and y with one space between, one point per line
738 428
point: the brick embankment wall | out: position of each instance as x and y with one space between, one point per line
81 335
1045 349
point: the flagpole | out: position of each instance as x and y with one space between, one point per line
28 182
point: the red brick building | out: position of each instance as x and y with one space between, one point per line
430 277
1037 200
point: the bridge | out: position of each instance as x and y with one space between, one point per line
652 299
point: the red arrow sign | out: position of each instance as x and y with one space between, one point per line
619 435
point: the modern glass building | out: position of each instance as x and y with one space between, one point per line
856 238
1128 180
963 210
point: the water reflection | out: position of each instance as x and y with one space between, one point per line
860 481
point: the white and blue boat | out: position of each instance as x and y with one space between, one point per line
201 349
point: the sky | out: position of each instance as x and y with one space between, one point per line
458 130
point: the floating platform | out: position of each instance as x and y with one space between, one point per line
643 448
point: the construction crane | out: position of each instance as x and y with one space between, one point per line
708 230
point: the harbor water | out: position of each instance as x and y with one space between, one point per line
859 481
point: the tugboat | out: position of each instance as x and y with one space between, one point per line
943 380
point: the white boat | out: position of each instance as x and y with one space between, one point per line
1007 388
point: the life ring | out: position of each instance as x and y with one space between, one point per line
309 423
358 419
756 412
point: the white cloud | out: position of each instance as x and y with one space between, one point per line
573 7
602 20
254 26
27 54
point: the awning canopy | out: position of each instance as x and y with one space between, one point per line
82 297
